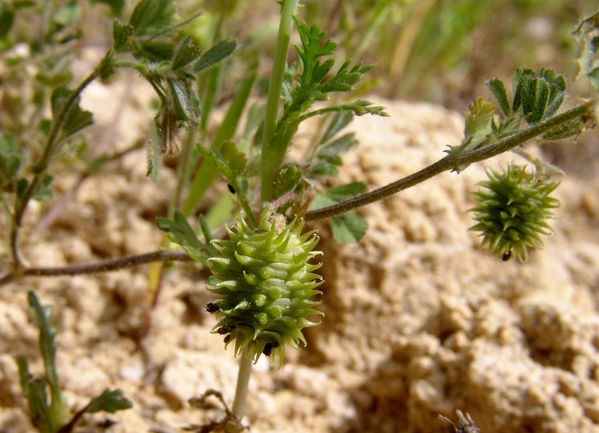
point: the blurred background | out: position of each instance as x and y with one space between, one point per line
439 51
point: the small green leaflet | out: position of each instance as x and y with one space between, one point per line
347 227
76 118
219 52
180 232
152 16
109 401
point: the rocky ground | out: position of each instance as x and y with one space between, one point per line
419 320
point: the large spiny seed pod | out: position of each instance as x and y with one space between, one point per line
265 284
512 212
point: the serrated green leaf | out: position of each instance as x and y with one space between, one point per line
186 53
348 228
109 401
152 16
217 53
122 35
347 191
497 87
180 232
313 47
338 122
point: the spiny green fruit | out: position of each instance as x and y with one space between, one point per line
265 284
512 212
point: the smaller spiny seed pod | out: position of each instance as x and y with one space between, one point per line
265 284
512 211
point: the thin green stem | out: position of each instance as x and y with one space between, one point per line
243 381
42 165
269 155
450 162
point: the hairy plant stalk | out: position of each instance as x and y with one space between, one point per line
102 266
450 162
269 155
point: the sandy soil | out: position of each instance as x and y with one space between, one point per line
419 320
